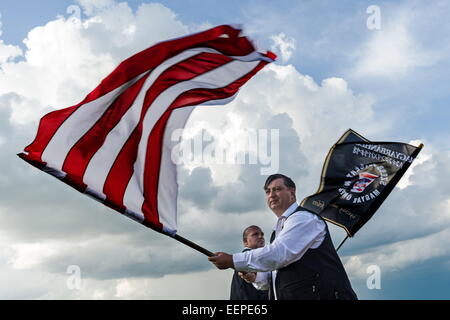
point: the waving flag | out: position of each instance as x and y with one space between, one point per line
115 145
357 177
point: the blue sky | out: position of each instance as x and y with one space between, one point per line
333 72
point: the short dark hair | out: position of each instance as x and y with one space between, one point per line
247 230
287 181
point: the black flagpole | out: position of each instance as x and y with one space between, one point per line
192 245
341 243
181 239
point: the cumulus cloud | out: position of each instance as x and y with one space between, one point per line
65 59
7 52
424 155
284 45
400 255
198 187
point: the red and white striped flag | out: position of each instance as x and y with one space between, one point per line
115 145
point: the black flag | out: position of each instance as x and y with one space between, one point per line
357 176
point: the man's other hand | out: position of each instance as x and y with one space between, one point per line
249 277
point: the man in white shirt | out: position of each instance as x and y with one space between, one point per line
300 256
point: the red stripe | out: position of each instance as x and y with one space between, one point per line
154 147
122 169
130 68
46 130
82 152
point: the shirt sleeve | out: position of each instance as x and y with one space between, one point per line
301 231
262 281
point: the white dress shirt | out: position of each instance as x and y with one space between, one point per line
302 231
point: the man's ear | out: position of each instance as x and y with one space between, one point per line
293 193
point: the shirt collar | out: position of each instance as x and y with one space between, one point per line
287 213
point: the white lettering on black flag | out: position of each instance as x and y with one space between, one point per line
357 176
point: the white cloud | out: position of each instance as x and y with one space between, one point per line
65 59
8 52
424 155
123 289
397 256
393 51
283 45
28 255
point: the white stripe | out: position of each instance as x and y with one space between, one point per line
76 125
252 57
133 192
217 78
102 161
168 184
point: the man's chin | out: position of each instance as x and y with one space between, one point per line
273 205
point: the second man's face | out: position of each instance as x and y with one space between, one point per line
254 239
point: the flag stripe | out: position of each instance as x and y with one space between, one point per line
76 125
121 170
103 160
167 192
216 78
152 193
82 152
167 182
51 123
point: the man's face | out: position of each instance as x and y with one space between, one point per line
279 197
254 239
